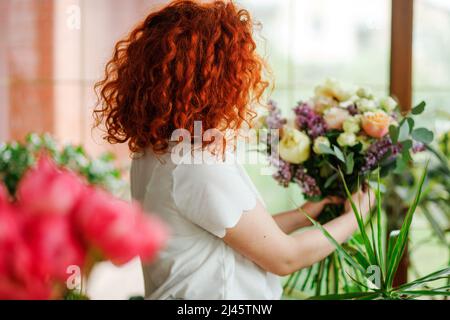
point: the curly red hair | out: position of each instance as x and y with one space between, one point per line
189 61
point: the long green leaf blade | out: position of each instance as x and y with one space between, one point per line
362 230
400 244
339 248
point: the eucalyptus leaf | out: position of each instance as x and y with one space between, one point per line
393 133
325 149
410 124
403 132
423 135
419 108
339 154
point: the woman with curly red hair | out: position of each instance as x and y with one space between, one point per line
195 62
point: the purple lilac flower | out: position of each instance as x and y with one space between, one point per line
378 150
418 147
353 110
284 172
307 119
307 183
274 120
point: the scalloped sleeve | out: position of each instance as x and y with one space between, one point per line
212 196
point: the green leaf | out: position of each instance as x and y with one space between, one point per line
410 124
350 163
423 135
392 240
400 165
400 244
403 132
393 133
437 275
379 226
330 180
361 227
325 149
419 108
339 154
339 248
345 296
426 293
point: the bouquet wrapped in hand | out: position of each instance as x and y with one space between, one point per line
340 134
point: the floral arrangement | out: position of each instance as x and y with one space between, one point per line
338 134
58 224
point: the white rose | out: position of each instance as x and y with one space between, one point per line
352 125
332 89
295 146
322 104
365 142
365 93
320 141
365 105
346 139
388 104
335 118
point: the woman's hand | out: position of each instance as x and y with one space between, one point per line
293 220
313 209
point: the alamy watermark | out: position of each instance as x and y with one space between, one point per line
214 146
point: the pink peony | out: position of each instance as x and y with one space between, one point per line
54 245
152 234
18 279
46 189
3 196
116 228
335 117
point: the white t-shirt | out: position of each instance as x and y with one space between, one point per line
199 202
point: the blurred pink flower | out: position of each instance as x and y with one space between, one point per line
335 117
3 196
54 245
117 229
46 189
18 280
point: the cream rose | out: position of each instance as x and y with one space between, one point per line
335 118
347 139
364 93
388 104
352 125
295 146
332 89
365 105
320 141
376 124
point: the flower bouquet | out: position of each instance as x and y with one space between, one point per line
57 228
340 134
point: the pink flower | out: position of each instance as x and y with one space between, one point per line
376 124
46 189
54 245
116 228
152 234
335 117
18 279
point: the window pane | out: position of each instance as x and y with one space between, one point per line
431 61
309 41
